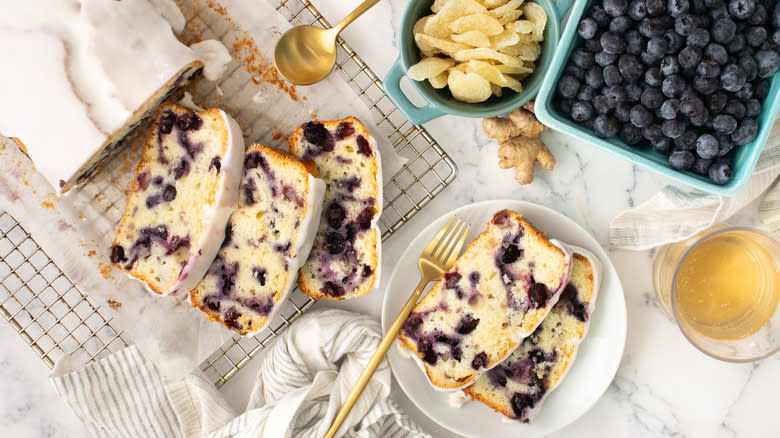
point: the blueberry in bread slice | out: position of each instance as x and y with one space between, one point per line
344 261
518 386
185 188
267 238
496 294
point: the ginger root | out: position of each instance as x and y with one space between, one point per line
520 142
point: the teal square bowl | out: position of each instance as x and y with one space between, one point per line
744 157
440 102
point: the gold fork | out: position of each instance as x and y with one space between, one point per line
437 258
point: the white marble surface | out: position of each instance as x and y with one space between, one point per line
664 387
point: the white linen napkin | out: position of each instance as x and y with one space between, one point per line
303 381
676 214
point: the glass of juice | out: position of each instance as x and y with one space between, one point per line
721 286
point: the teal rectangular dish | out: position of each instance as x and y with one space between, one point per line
745 157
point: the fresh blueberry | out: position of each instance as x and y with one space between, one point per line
677 7
708 68
720 172
568 86
613 43
755 36
582 111
598 14
723 30
725 142
630 134
673 128
749 64
702 166
656 47
741 9
724 123
768 62
605 126
737 44
717 53
684 24
655 7
582 58
699 37
601 104
701 119
670 66
698 7
640 116
674 42
612 75
652 98
604 59
587 28
705 86
652 133
681 160
637 10
712 4
623 112
689 57
691 105
594 77
719 12
735 108
653 77
663 145
586 93
630 68
673 86
776 37
670 109
760 16
650 27
745 133
707 146
620 24
633 92
615 8
615 95
687 140
733 77
760 88
752 108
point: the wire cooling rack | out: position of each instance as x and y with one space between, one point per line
54 317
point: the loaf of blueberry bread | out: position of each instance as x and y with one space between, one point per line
344 261
266 240
518 386
495 295
185 188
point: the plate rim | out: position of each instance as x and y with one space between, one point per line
517 205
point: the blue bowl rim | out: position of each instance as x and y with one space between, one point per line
549 117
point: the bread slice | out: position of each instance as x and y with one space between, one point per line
185 188
495 295
518 386
266 240
344 261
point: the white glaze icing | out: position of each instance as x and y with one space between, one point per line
302 247
187 102
171 12
76 76
380 203
214 56
225 201
457 399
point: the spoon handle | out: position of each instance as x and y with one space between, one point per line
366 5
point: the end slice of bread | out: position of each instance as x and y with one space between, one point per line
495 295
518 386
345 260
186 186
267 239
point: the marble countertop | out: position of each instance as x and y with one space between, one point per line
664 386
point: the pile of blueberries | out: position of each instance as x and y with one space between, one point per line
686 77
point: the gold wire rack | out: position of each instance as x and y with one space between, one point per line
54 317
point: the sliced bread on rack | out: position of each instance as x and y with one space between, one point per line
185 188
344 261
518 386
495 295
266 240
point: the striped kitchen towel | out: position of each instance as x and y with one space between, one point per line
304 378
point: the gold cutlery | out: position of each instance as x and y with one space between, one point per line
437 258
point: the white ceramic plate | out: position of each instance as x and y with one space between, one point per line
597 358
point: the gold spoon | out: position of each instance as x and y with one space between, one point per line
306 54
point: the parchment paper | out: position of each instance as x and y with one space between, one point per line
76 230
